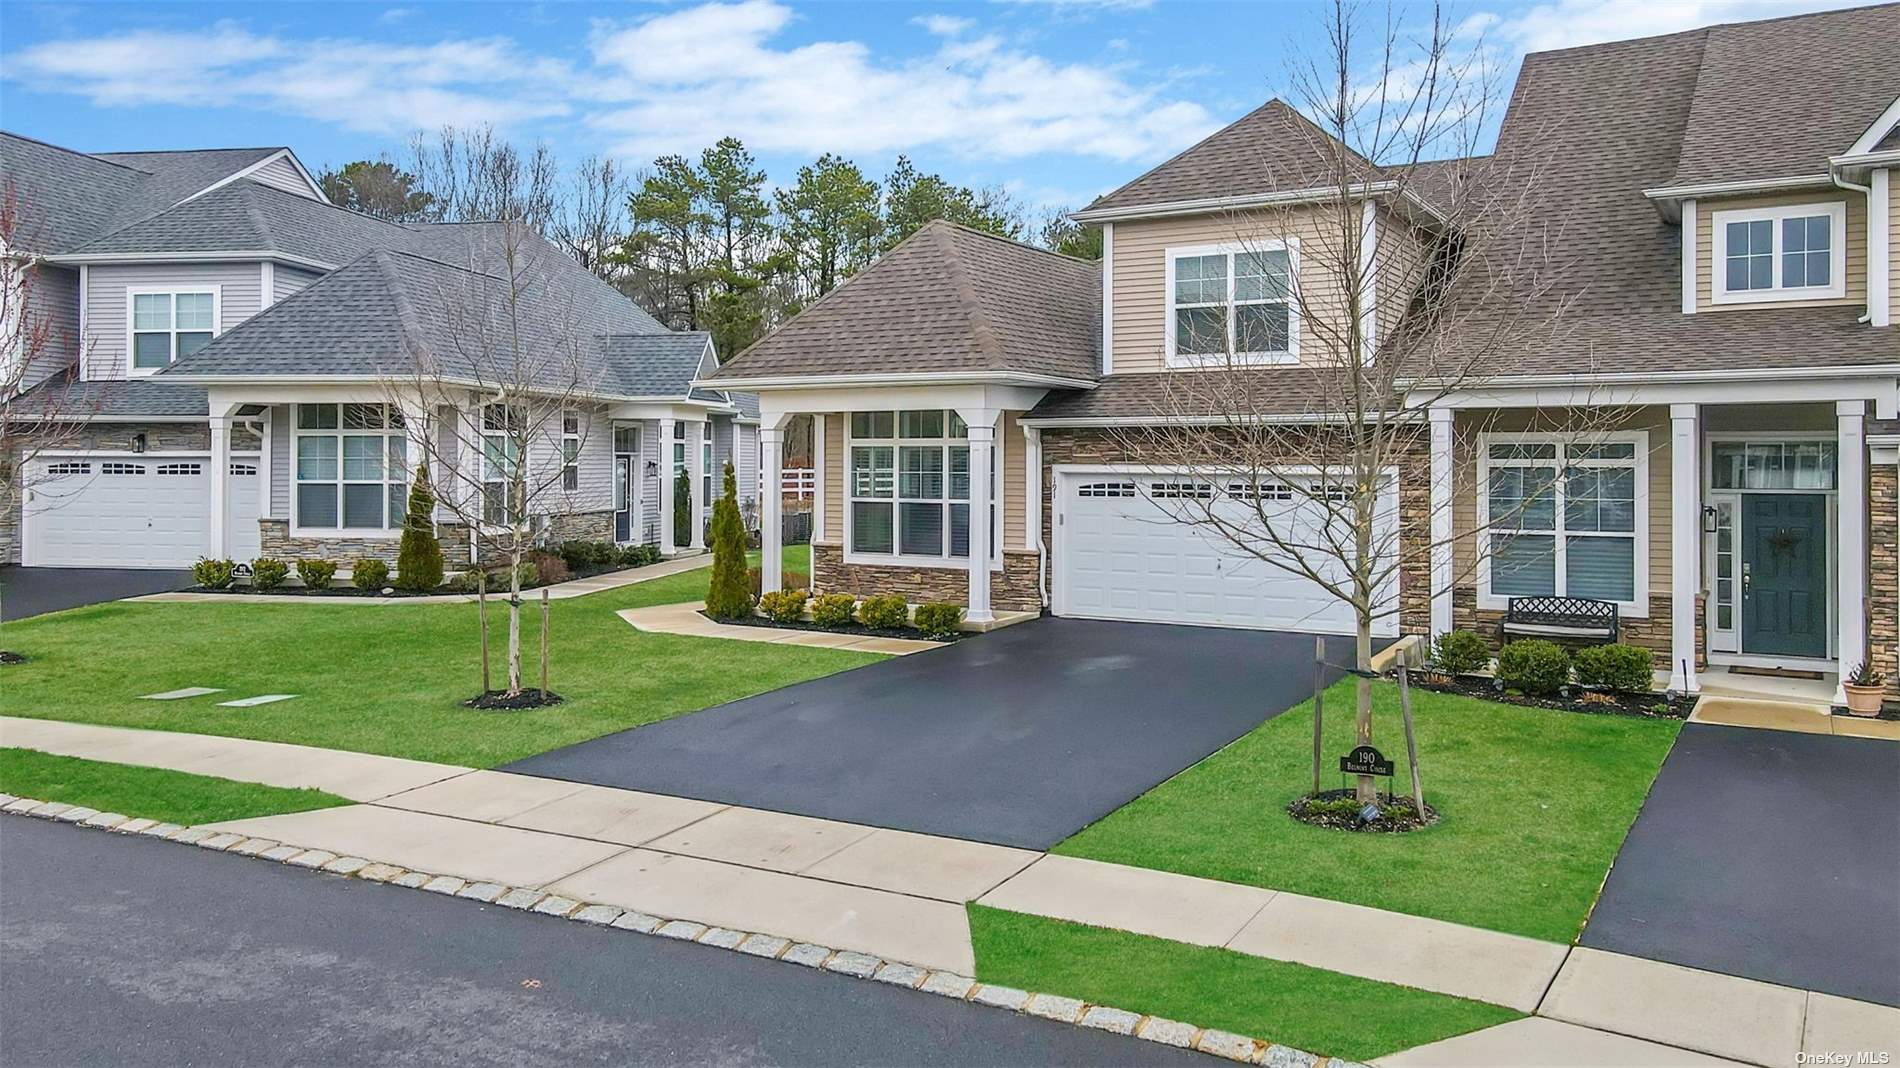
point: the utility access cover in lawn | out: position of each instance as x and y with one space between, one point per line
1020 737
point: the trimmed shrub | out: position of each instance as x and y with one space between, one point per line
369 574
1622 668
316 574
888 612
213 574
938 620
585 555
727 596
683 508
788 580
1460 652
268 573
834 609
1534 666
783 606
640 555
548 569
419 558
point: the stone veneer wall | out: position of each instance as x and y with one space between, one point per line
581 526
1013 589
278 543
1883 572
1101 446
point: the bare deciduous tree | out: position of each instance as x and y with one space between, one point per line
474 175
591 219
1411 267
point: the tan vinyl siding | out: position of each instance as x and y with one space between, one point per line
1009 453
1856 269
1403 258
1653 420
107 306
833 476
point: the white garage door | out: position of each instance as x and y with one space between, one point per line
1120 555
125 510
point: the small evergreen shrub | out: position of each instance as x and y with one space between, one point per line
369 574
834 609
1460 652
640 555
213 574
1534 666
589 555
683 509
728 596
268 573
783 606
888 612
938 620
316 574
544 569
419 557
1622 668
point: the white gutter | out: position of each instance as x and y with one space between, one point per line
1866 191
1751 185
192 257
918 378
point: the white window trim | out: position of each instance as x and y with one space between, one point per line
1719 293
297 530
573 465
1638 607
522 458
216 289
895 559
1291 247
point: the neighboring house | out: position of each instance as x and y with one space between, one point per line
236 347
1727 203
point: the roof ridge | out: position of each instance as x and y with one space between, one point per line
75 152
1014 241
965 290
257 216
1713 26
182 151
405 312
1211 135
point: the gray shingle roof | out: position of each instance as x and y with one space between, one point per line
247 216
948 299
138 398
64 197
1778 97
656 365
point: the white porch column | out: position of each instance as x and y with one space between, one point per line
1850 570
771 508
220 479
982 432
1441 530
667 548
1685 545
697 434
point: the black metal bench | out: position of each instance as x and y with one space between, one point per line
1559 617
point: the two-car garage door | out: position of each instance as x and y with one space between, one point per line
1121 553
134 510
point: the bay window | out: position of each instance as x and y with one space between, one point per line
1564 518
1232 299
168 325
1792 252
909 485
351 467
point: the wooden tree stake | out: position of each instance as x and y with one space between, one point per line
1319 695
544 643
1411 739
481 611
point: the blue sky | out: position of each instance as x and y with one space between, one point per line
1057 100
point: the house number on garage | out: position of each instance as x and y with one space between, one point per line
1365 760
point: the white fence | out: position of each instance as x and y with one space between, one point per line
799 483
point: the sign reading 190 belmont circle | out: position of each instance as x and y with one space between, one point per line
1365 760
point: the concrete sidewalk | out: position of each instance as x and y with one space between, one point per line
901 896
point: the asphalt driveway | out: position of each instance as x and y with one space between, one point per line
32 591
1020 737
1765 854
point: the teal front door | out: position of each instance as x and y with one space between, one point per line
1784 574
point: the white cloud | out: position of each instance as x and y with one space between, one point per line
943 25
1570 23
719 67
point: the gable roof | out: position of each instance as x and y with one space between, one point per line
947 300
248 216
1272 149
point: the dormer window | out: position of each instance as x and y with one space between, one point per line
1792 252
1232 299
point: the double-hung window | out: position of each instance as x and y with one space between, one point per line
167 325
502 490
909 485
1564 518
1236 300
1794 252
352 469
570 451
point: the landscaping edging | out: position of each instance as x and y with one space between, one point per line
1242 1049
855 630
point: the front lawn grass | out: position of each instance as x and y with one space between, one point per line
1534 806
150 793
388 679
1307 1008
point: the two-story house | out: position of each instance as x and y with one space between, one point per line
1724 203
245 363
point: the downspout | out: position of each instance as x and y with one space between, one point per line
1866 191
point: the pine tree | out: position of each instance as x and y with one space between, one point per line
730 596
419 560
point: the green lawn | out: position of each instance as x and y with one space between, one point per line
151 793
387 679
1535 805
1307 1008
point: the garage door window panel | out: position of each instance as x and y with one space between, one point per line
350 467
1564 519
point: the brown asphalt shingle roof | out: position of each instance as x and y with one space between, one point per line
947 299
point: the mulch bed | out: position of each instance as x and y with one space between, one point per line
345 589
1395 814
11 658
503 701
858 629
1572 699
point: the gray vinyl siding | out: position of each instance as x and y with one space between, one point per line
287 280
596 492
54 298
650 484
280 174
746 466
722 454
107 307
280 431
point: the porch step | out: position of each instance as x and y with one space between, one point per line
1806 717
